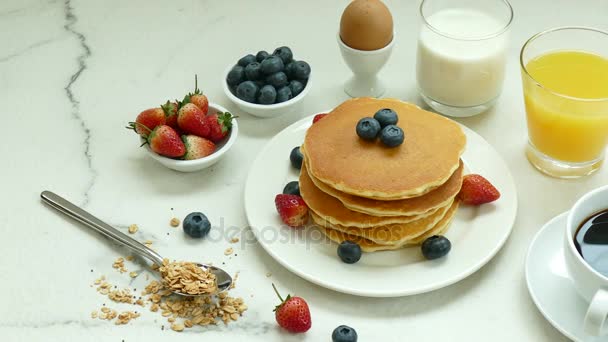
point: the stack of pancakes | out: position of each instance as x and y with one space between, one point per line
382 198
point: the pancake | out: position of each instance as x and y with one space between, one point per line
440 197
370 246
335 212
428 157
393 234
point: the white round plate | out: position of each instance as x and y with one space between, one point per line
476 233
549 283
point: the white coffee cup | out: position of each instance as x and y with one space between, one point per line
589 283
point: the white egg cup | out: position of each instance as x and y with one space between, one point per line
365 66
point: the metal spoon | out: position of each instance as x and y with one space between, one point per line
223 279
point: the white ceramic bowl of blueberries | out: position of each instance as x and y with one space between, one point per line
268 85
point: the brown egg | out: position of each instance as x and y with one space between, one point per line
366 25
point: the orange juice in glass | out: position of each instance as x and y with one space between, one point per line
565 83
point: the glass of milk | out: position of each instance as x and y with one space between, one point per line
462 53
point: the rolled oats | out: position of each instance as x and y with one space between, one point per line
174 222
133 229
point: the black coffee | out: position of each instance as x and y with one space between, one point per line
591 241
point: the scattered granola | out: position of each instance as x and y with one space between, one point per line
125 317
133 229
121 296
234 239
133 274
174 222
187 277
228 251
119 264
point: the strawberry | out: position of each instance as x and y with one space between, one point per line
165 141
219 125
197 98
170 109
477 190
293 210
197 147
191 120
147 120
318 117
292 314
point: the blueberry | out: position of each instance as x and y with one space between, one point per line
253 72
344 333
272 64
296 157
292 188
301 70
386 117
368 128
259 83
236 75
277 80
247 91
267 95
261 55
349 252
289 69
245 61
392 136
284 94
284 53
196 225
296 87
435 247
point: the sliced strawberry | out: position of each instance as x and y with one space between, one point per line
147 121
191 120
292 314
318 117
166 142
197 147
477 190
292 209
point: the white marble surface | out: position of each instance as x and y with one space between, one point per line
73 72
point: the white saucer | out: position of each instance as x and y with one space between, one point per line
476 233
549 283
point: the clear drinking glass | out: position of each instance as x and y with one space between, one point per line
565 84
462 53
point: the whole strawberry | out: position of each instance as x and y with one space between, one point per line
219 125
166 142
292 209
292 314
477 190
147 120
170 109
197 147
197 98
191 120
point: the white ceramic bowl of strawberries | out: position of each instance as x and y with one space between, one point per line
187 135
194 165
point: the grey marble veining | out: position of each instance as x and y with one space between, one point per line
70 22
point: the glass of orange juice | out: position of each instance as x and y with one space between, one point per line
565 83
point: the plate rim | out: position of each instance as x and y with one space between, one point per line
381 294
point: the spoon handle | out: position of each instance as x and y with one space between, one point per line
81 215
